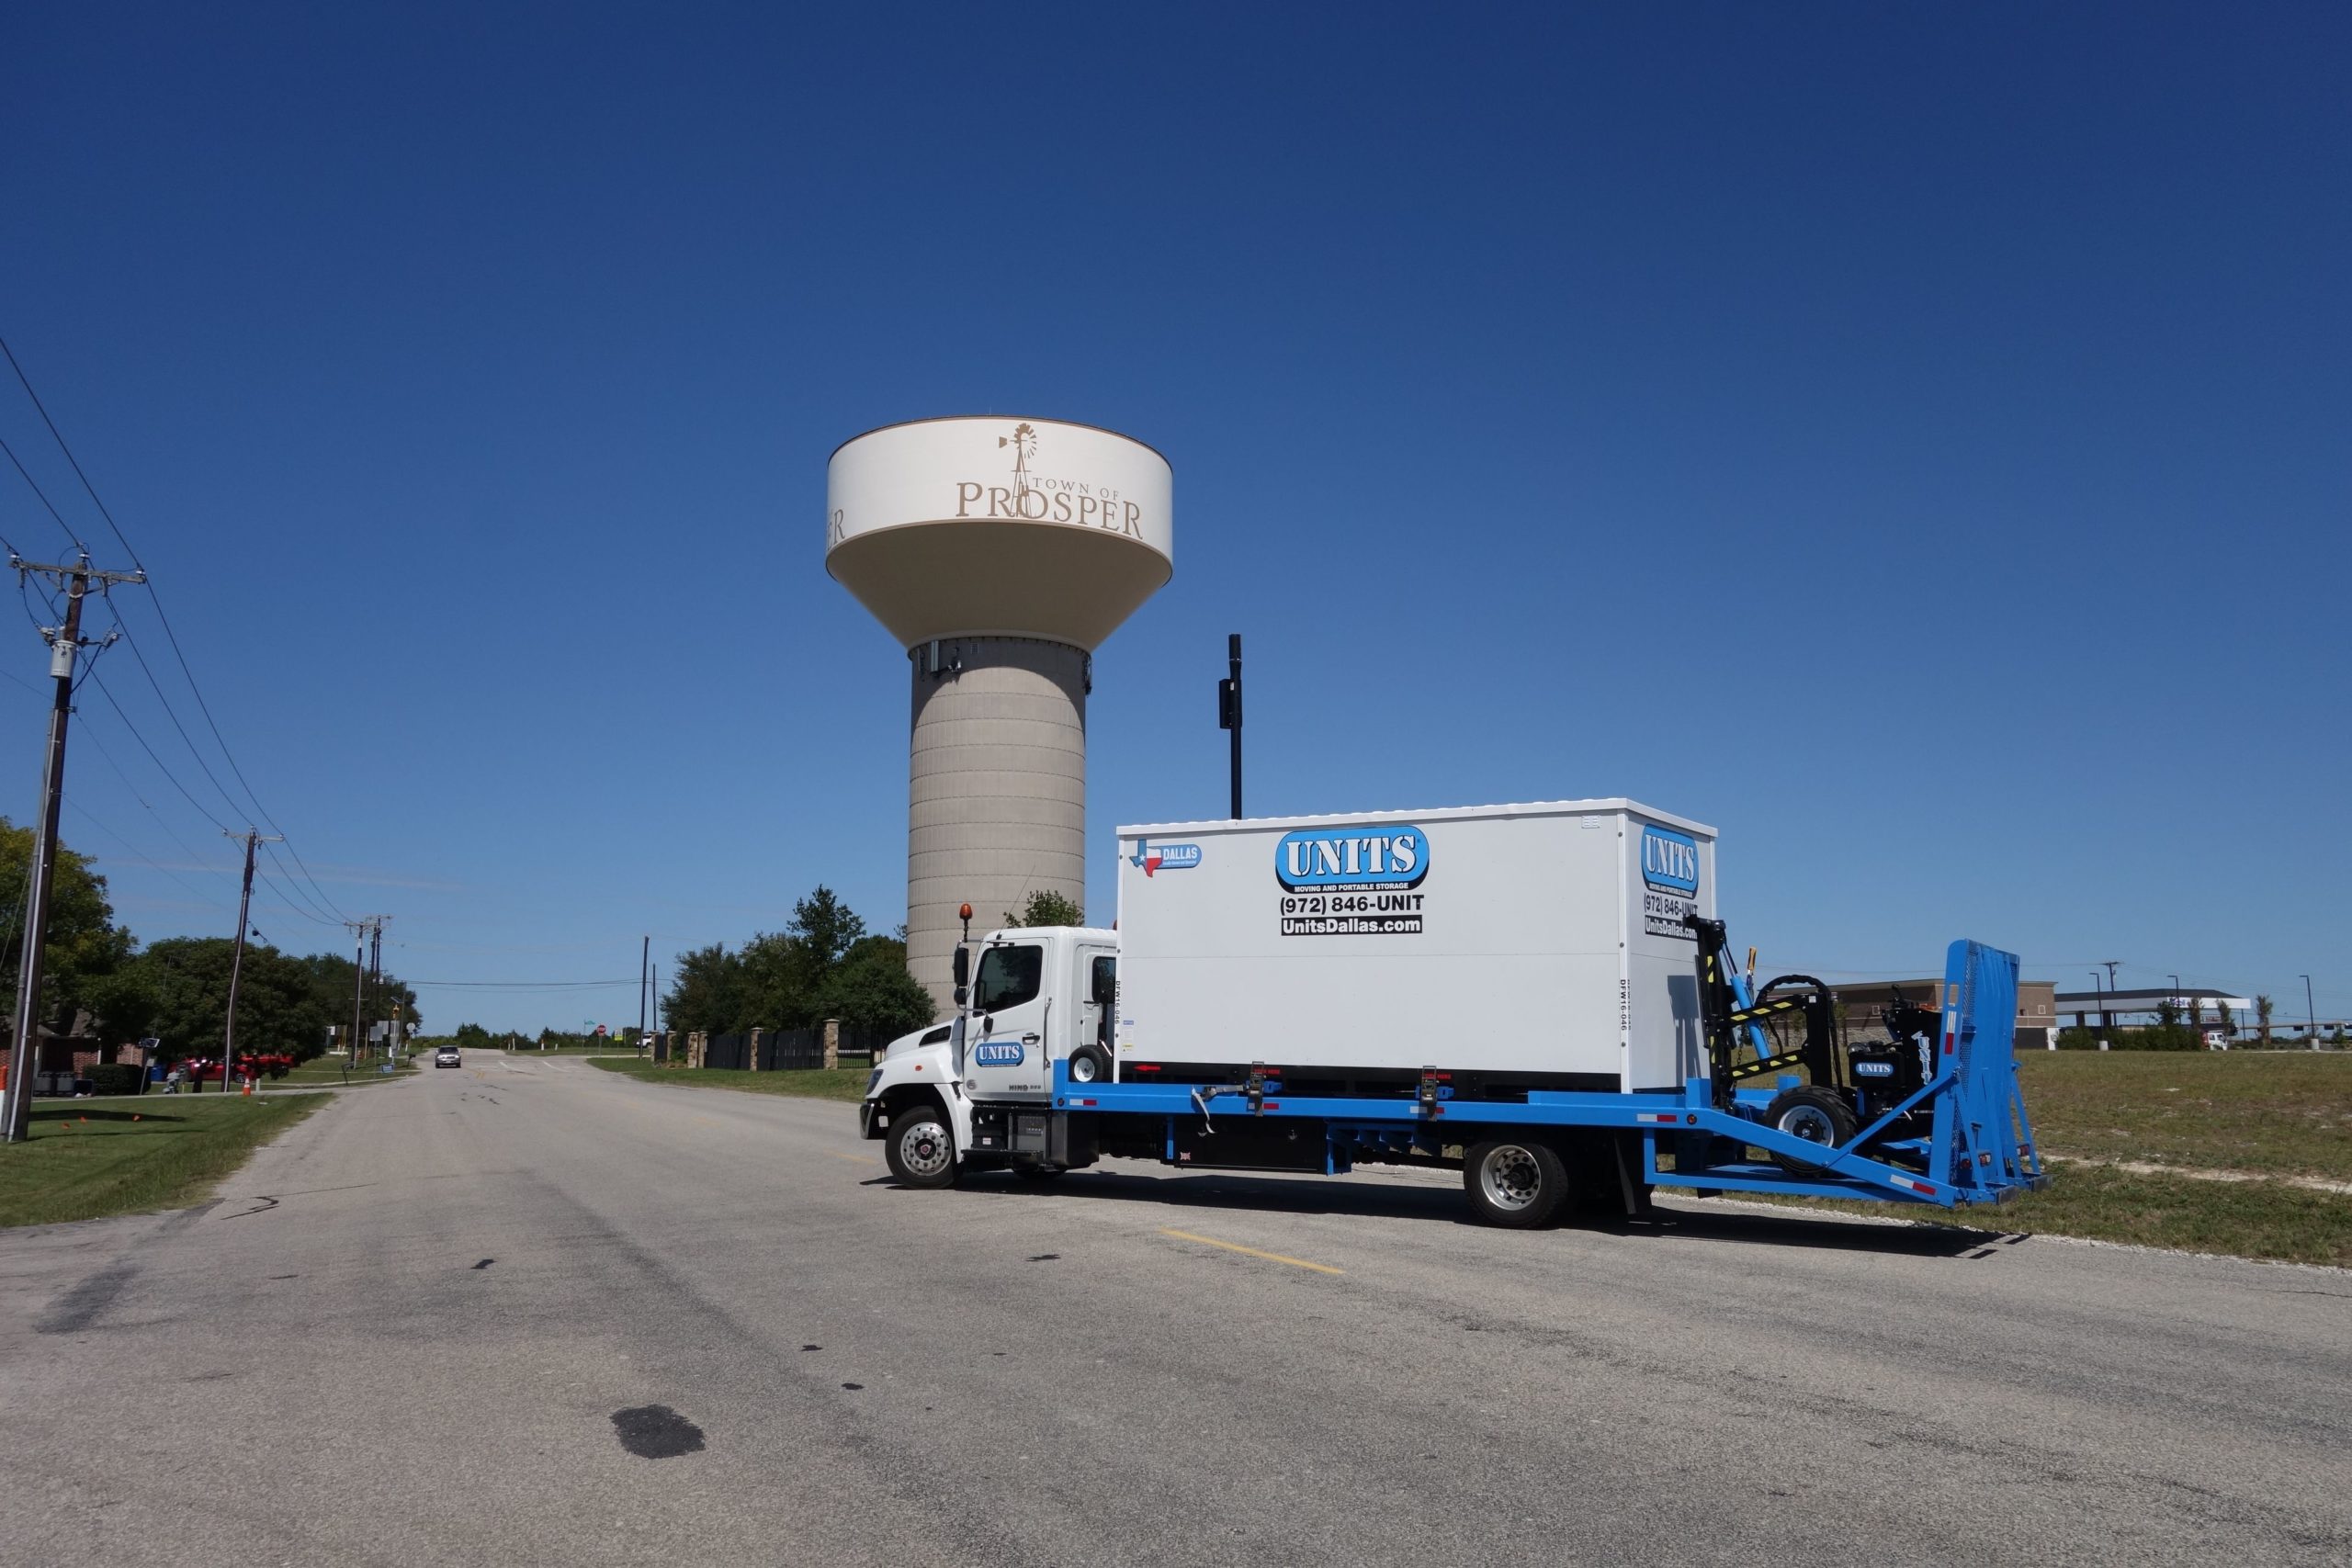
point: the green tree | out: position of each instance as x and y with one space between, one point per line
822 965
1046 907
709 991
85 944
331 976
277 1009
871 988
2262 1009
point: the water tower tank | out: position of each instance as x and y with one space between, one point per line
1000 551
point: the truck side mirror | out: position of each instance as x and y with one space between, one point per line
963 967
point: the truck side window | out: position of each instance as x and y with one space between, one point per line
1008 976
1104 984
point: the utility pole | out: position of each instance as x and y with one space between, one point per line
64 650
1229 712
644 962
359 929
237 963
376 968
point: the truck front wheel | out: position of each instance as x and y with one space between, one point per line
920 1147
1519 1184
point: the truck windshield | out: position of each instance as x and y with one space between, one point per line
1009 977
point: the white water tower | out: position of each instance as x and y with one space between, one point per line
1000 551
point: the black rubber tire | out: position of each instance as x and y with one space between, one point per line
1088 1065
920 1145
1516 1183
1819 1115
1039 1172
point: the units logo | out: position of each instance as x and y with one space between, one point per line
1385 858
1669 882
1004 1054
1669 861
1153 859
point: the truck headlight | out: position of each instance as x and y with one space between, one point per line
871 1079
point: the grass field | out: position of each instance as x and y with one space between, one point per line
2265 1115
2273 1113
88 1159
815 1083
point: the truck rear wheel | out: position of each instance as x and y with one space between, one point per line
920 1147
1516 1183
1815 1114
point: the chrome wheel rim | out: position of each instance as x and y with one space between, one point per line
1810 1123
1082 1069
1510 1178
924 1148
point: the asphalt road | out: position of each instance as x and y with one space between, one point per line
530 1312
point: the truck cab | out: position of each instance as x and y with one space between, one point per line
1033 996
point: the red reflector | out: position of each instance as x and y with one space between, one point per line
1086 1103
1145 1067
1273 1105
1949 1038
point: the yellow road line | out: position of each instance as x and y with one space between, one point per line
1254 1252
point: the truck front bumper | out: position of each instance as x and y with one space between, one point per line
866 1110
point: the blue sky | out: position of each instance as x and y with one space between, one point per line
1912 439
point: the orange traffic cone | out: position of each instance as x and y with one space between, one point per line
249 1086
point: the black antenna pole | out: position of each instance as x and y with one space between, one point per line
1229 712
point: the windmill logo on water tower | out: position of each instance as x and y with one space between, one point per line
1024 442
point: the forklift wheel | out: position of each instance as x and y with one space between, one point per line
1516 1183
1815 1114
1088 1065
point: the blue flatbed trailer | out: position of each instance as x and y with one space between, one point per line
1960 1138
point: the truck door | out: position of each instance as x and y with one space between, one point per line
1095 1022
1006 1051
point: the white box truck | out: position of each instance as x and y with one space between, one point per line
1538 995
1544 944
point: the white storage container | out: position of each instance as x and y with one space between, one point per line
1542 939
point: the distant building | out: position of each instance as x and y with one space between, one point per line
2218 1011
2037 1007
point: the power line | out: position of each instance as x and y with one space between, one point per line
279 893
136 855
325 912
167 772
42 494
185 848
163 619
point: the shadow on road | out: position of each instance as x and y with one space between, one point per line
1222 1189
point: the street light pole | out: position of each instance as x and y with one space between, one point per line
2106 1020
2311 1012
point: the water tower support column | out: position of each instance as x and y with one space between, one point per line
996 788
